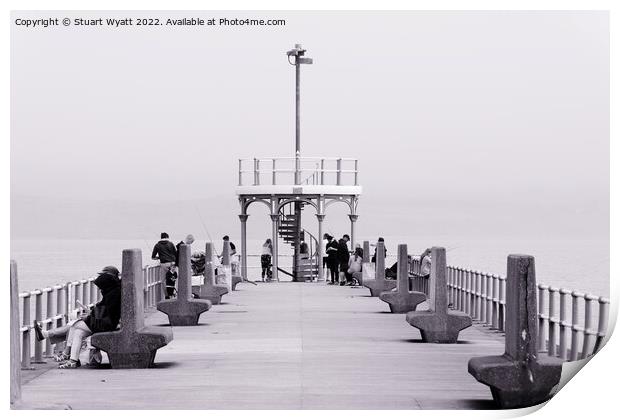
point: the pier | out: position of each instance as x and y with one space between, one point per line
304 344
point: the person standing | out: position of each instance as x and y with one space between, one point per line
171 281
332 257
425 263
165 251
189 239
233 249
265 260
374 257
343 258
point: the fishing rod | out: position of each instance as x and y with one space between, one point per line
203 223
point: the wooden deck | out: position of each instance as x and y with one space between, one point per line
286 346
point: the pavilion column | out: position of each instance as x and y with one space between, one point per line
320 218
274 241
353 218
244 255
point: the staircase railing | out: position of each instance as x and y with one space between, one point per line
309 238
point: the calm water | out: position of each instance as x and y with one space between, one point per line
571 263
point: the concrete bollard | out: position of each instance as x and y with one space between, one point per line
134 346
367 271
209 289
183 310
379 284
521 377
439 324
402 300
16 387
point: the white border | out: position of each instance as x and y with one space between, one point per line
592 394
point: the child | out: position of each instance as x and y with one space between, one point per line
171 281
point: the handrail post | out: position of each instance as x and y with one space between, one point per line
574 343
49 306
14 326
489 302
483 297
240 174
502 303
553 322
603 316
26 332
541 318
587 330
322 171
297 170
477 292
256 174
495 316
38 315
60 313
273 172
339 171
563 323
356 172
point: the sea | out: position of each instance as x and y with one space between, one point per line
576 264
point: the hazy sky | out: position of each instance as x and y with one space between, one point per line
462 121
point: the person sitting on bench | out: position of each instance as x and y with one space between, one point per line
104 316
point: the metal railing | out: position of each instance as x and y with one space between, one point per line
298 171
55 306
483 297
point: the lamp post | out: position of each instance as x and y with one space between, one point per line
297 57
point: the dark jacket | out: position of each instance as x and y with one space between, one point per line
165 251
374 257
343 251
332 254
105 314
176 253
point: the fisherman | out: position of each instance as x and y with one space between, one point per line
189 239
165 251
104 316
233 249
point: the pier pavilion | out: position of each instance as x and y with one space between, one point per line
286 186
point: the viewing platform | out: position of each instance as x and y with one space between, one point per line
303 175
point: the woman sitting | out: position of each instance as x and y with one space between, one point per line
104 316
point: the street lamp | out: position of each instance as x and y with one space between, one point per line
297 55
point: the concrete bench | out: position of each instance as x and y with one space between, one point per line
209 289
379 284
401 300
133 346
183 310
439 324
521 377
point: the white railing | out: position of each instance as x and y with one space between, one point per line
298 171
483 297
